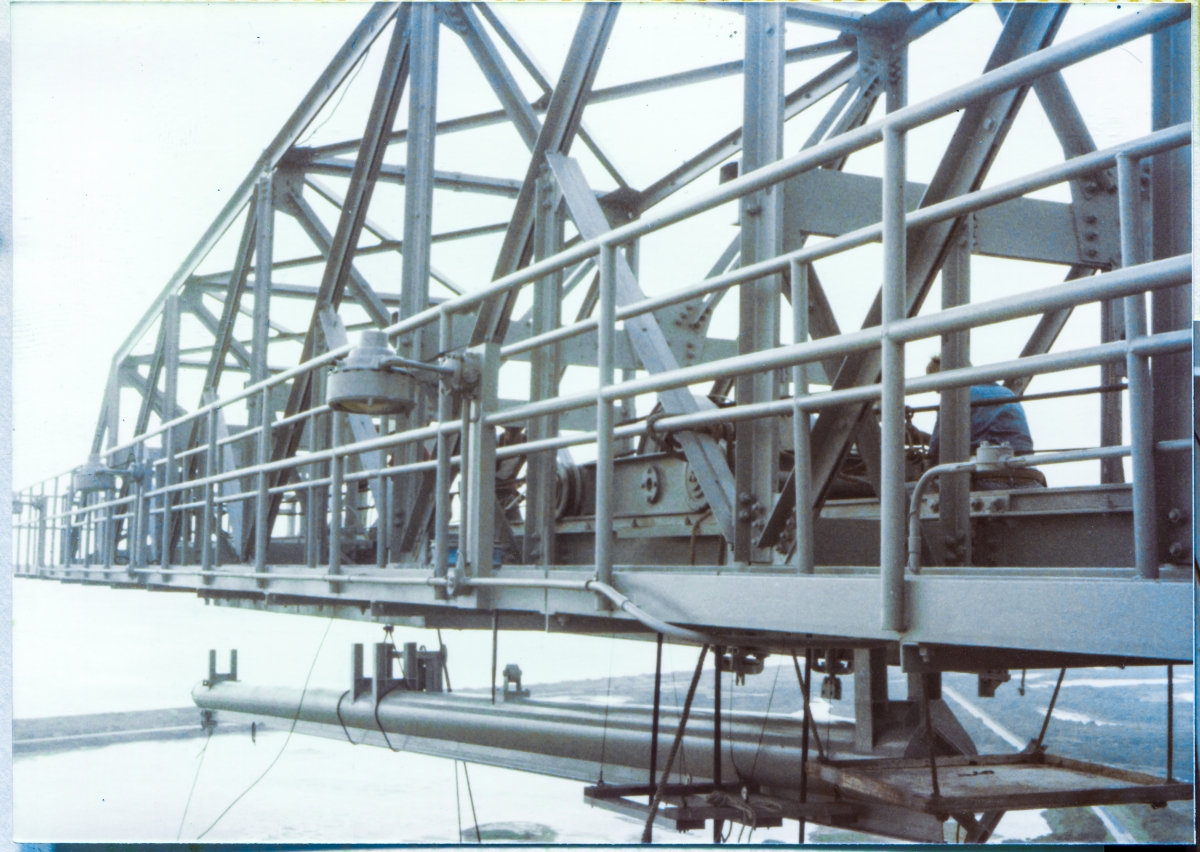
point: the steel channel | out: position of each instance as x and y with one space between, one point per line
1141 401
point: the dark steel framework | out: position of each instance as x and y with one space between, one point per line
470 508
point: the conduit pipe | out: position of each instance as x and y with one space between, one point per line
983 462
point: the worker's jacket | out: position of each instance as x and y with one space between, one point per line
999 422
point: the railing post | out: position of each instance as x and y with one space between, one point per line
262 502
445 411
40 561
168 478
892 509
208 530
801 431
382 505
68 523
335 499
312 536
606 316
1141 401
137 523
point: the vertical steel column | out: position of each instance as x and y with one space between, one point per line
1141 391
54 527
170 318
480 535
208 528
68 524
382 505
335 499
757 450
445 445
954 415
40 561
544 368
112 410
718 660
801 430
264 250
419 141
1112 328
262 502
606 318
312 527
1171 206
892 508
89 522
137 524
418 175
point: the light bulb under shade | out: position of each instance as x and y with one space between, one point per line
371 391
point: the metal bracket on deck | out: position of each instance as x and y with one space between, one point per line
213 677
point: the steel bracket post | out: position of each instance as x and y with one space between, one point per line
479 535
1141 389
214 677
761 215
1171 188
263 255
870 697
954 416
210 528
606 322
541 475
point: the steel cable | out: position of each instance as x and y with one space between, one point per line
291 730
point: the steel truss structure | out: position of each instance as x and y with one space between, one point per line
459 508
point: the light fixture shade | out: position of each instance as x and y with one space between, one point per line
93 476
363 384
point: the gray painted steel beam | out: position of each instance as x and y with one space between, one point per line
331 78
324 241
756 460
704 455
456 181
977 138
338 269
558 131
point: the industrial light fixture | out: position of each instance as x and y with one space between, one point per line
93 476
373 379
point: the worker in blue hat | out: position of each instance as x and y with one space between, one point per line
996 417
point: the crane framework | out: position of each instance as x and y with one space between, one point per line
406 490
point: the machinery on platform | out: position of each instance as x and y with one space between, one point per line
752 496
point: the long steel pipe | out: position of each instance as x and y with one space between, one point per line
761 750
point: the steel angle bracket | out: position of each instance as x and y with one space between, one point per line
702 451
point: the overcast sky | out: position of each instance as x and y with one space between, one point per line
133 123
